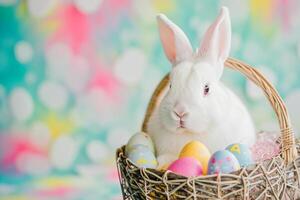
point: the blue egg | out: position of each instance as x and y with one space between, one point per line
142 157
242 152
138 139
223 162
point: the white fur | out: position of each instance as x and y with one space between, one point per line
217 119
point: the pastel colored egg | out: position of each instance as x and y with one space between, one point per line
139 138
198 151
142 157
223 162
242 152
186 167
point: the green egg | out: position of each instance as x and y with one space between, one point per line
142 157
140 138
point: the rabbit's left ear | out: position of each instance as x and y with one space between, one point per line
176 45
217 40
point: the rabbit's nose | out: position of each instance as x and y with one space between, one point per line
179 111
180 114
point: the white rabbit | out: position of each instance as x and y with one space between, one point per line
197 106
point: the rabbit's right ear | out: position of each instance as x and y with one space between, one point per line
217 40
176 45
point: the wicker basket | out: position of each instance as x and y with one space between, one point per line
278 178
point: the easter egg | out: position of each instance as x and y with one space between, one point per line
139 138
198 151
242 152
223 162
186 167
142 157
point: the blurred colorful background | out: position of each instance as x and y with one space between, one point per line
76 76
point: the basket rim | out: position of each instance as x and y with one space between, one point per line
120 154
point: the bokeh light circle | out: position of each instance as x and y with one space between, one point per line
21 104
88 6
63 152
97 151
23 52
39 134
130 66
53 95
38 8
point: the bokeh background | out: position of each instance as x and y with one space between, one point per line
76 76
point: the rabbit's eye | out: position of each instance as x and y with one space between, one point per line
170 86
206 89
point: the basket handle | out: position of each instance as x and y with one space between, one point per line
288 151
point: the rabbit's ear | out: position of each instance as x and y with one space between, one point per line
176 45
217 39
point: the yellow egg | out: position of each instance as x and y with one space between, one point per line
198 151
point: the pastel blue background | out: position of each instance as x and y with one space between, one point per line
76 76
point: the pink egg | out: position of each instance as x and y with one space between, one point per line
186 166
